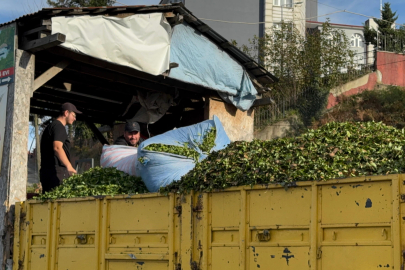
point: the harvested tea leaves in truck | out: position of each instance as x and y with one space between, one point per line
207 144
336 150
97 181
209 140
173 149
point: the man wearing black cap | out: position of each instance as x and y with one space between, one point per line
132 135
55 149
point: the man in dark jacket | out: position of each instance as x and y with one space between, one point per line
55 149
132 135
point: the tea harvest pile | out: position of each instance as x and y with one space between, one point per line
336 150
97 181
207 144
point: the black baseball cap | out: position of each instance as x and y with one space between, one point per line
69 107
132 126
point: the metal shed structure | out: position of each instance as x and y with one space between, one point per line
46 75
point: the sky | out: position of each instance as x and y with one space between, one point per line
12 9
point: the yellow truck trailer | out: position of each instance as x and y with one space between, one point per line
355 223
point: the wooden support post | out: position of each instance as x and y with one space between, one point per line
50 73
97 132
44 43
37 144
13 175
238 125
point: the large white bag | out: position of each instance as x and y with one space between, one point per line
124 158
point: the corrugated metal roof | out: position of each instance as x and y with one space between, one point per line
257 72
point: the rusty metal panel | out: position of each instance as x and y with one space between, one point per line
357 257
292 258
315 225
276 206
361 202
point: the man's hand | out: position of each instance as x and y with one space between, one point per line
71 171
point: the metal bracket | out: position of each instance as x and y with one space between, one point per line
264 236
319 253
81 239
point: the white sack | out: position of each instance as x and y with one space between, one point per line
140 41
124 158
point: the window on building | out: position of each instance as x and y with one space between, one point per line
284 3
356 41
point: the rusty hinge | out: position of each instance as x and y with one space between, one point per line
319 253
403 197
179 209
178 266
198 208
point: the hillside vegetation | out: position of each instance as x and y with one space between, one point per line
387 106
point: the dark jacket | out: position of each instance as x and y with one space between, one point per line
121 141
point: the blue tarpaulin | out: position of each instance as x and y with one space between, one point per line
202 62
158 169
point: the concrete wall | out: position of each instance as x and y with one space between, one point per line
367 82
390 71
237 124
311 10
234 10
392 68
278 130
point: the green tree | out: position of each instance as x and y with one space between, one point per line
301 61
307 68
385 25
80 3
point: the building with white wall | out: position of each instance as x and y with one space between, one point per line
258 15
277 11
356 38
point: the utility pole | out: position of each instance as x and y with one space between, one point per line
381 9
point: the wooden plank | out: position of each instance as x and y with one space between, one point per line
38 29
82 95
262 102
52 104
99 10
203 28
60 97
44 43
79 117
46 22
50 73
97 132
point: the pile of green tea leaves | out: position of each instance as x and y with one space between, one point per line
336 150
97 181
207 144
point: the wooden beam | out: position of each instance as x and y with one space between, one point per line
46 22
79 117
83 95
97 132
50 73
60 97
38 29
43 43
99 10
262 102
52 104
